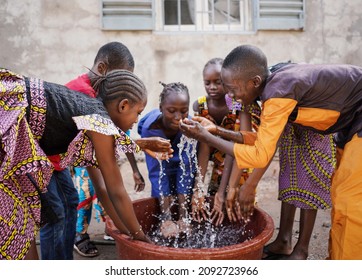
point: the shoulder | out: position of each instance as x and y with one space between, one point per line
82 84
147 120
199 102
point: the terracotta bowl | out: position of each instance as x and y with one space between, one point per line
147 210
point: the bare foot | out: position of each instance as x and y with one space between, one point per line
277 248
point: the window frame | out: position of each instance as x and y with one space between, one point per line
132 15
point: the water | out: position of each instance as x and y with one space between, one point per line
204 235
199 235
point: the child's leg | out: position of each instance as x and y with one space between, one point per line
283 242
307 219
85 189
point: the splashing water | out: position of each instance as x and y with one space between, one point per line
200 235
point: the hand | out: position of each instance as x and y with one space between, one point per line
139 182
193 129
232 203
160 156
217 214
246 202
184 227
155 144
206 123
169 229
198 206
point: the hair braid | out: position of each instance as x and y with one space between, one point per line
177 88
120 84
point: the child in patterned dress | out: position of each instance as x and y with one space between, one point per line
40 119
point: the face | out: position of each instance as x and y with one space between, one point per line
212 81
241 89
125 114
174 108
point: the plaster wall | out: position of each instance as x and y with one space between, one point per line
56 40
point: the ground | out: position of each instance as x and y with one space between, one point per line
267 200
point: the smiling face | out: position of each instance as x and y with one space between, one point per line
244 89
174 107
212 81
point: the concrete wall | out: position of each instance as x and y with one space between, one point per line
55 40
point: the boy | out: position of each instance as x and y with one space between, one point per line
325 98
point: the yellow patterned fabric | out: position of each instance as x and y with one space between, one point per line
20 154
23 108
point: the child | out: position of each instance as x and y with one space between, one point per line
227 114
41 118
175 181
307 162
325 98
111 56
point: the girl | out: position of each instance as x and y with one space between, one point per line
176 181
40 119
227 114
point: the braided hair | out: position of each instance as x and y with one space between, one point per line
120 84
177 88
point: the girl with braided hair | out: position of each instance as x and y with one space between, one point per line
39 118
177 185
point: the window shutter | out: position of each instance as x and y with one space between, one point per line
280 15
127 15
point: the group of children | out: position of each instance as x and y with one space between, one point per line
232 129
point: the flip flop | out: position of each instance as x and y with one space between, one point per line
269 255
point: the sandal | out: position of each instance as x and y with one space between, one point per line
84 246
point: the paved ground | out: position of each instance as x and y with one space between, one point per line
267 200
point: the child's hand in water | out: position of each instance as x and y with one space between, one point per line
232 203
198 206
184 226
169 229
217 214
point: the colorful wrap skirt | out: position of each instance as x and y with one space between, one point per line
307 162
21 128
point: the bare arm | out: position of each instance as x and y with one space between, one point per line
104 149
217 213
195 130
97 179
137 176
236 173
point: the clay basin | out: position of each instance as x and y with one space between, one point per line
146 211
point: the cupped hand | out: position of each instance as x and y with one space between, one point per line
206 123
193 129
155 144
160 156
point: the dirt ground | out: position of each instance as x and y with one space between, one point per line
267 200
